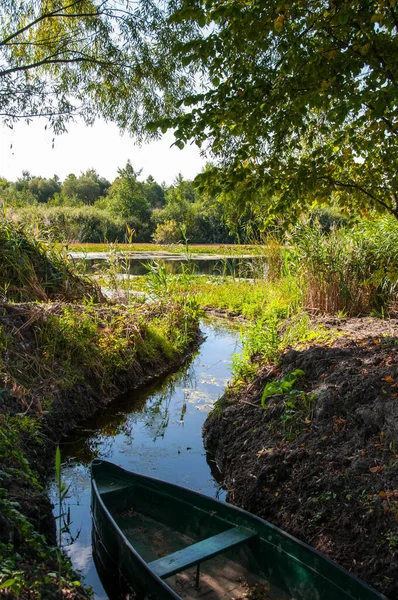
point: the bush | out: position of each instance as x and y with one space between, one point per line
167 233
71 224
29 270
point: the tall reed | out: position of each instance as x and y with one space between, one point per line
353 271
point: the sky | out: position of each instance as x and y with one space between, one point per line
102 147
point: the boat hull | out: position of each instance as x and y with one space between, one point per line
290 565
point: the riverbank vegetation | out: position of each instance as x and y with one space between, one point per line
65 352
309 272
89 209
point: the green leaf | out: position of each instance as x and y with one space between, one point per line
201 19
343 17
7 584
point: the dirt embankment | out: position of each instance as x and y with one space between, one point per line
322 463
42 398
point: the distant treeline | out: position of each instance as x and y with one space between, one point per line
89 208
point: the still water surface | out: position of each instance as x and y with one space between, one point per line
137 264
155 431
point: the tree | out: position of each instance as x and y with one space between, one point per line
198 217
44 189
61 58
127 199
301 100
179 202
154 193
87 188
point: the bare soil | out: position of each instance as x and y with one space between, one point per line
323 465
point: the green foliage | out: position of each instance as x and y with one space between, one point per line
295 405
29 190
167 232
300 104
154 193
281 386
71 223
27 562
201 216
127 198
86 188
87 58
30 270
349 270
157 280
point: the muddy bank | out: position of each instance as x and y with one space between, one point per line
59 364
322 462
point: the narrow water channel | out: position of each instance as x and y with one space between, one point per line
154 431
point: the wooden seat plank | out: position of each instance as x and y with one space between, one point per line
196 553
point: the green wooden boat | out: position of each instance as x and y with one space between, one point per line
168 542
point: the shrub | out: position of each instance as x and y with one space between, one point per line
30 270
167 233
72 224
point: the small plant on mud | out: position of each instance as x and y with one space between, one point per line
392 540
260 342
157 279
283 386
297 405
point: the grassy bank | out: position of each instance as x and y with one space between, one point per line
216 249
343 272
60 361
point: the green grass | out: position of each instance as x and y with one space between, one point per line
222 249
250 298
31 270
274 317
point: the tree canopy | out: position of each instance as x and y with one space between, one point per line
296 101
301 99
61 58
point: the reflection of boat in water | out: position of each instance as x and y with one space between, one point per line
168 542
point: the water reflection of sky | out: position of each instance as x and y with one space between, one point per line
155 431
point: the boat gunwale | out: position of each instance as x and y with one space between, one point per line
131 548
127 477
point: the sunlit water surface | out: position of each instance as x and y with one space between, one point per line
154 431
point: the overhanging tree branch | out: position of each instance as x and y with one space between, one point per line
56 13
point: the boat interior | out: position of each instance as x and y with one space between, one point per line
197 552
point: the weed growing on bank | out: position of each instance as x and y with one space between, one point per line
33 271
28 564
